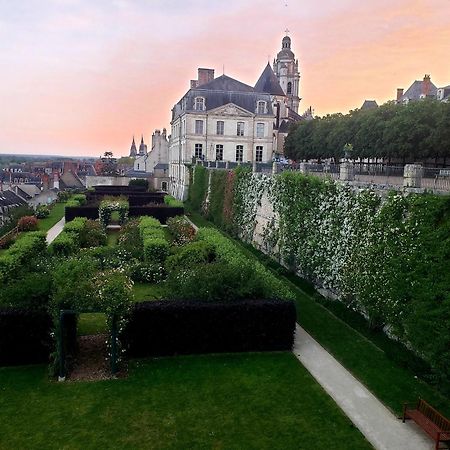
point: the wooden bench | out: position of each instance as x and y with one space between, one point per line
430 420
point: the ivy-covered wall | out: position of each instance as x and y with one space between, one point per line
385 255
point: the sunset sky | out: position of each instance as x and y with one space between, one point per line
80 77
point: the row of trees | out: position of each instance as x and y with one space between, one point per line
415 132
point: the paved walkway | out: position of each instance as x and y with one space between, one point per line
380 427
55 230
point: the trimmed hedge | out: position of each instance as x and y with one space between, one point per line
171 201
161 212
64 244
30 245
170 327
24 336
230 253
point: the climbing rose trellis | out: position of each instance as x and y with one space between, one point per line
108 206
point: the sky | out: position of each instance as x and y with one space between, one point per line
81 77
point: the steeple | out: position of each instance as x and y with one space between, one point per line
142 147
286 70
133 150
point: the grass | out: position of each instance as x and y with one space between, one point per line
239 401
359 350
91 323
113 237
146 291
56 214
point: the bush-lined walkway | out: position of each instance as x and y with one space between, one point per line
381 428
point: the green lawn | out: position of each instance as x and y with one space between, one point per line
146 291
56 214
113 237
239 401
361 353
91 323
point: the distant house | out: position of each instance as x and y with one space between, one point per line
9 201
369 104
421 89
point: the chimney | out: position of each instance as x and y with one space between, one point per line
399 94
45 182
426 85
194 84
205 76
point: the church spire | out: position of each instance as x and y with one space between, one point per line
133 149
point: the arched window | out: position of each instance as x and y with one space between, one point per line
289 88
199 104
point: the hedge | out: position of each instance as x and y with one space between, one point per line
155 249
229 252
24 336
161 212
64 244
169 327
171 201
30 245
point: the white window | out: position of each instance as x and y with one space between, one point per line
259 153
199 127
260 130
220 126
240 129
199 104
219 152
239 153
199 151
262 108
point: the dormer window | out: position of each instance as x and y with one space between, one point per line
262 108
199 104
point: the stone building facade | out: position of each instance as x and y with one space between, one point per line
223 119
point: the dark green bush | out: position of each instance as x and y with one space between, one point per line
130 239
148 272
92 235
155 250
191 254
64 244
31 292
215 282
42 211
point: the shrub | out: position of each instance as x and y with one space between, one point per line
21 253
92 235
148 272
111 258
185 327
216 282
28 223
80 199
64 244
24 336
130 239
42 211
139 182
230 253
181 230
31 292
63 196
148 222
171 201
76 226
190 255
155 249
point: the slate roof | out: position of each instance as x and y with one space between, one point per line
220 92
225 83
161 166
415 90
9 198
284 126
369 104
268 82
